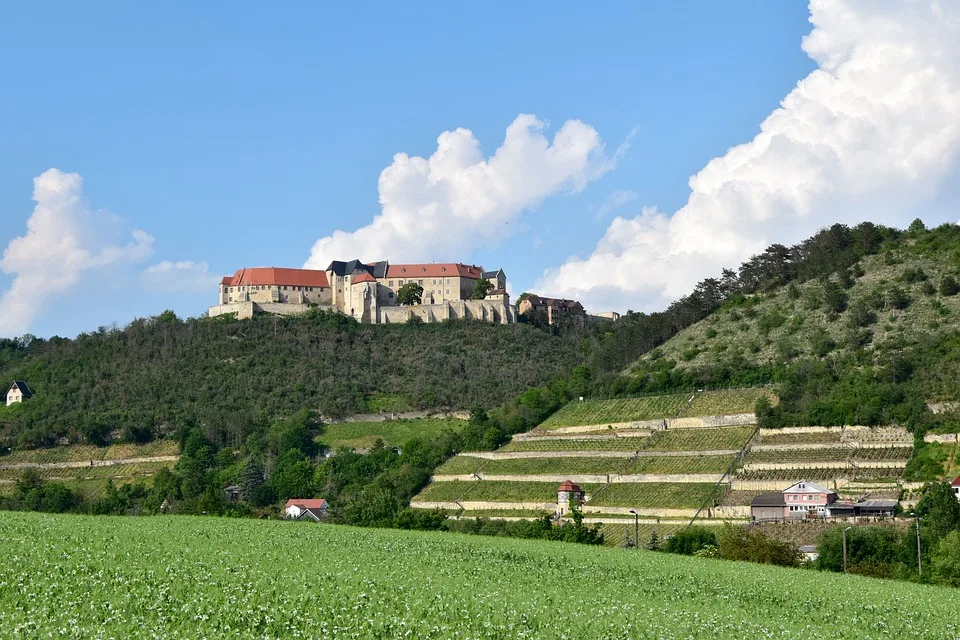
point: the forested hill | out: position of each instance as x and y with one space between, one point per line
231 377
869 335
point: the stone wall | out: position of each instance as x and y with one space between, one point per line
495 311
584 478
245 310
520 455
943 438
479 505
701 422
831 464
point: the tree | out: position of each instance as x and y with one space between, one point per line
481 289
293 477
946 560
917 226
690 540
949 286
251 478
939 510
410 293
742 543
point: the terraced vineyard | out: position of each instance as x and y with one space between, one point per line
654 495
85 453
673 465
87 468
705 439
727 401
600 412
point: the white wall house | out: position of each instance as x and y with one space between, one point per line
18 392
295 507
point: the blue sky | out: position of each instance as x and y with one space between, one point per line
238 134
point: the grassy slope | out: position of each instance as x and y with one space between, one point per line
392 432
762 328
380 583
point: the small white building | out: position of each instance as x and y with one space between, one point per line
568 493
18 392
297 507
955 485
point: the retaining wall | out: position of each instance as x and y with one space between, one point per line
944 438
531 436
519 455
480 505
613 478
833 464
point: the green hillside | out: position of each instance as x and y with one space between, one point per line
207 577
230 377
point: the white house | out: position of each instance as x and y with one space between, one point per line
955 485
297 507
18 392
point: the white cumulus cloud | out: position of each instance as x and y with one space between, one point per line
443 206
64 241
872 134
184 276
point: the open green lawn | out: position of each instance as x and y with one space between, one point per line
362 435
182 577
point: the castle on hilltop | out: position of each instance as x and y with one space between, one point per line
368 292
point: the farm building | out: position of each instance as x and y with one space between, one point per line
806 499
18 392
768 506
297 507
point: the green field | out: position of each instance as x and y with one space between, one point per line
182 577
601 412
362 435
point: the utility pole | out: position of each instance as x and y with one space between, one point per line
845 548
919 559
636 527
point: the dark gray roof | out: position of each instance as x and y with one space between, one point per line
491 274
877 504
341 268
313 514
380 269
768 500
24 389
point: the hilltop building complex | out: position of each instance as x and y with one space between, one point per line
368 292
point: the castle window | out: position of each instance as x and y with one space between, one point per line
391 283
420 282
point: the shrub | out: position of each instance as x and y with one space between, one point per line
949 286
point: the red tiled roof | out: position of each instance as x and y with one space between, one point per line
226 280
439 270
306 503
569 486
956 483
278 276
364 277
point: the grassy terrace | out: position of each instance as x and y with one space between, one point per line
580 444
700 439
488 490
825 455
653 496
89 577
362 435
801 438
530 466
590 412
85 453
727 401
119 471
822 476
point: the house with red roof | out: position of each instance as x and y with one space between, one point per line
955 485
306 508
568 493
